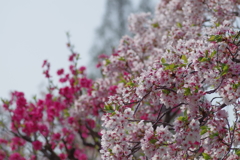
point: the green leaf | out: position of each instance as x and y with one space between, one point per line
213 54
155 25
185 113
213 135
212 38
206 156
5 101
126 42
1 124
179 25
66 113
131 84
204 130
219 38
163 60
223 73
237 152
235 86
217 67
215 38
183 118
217 77
110 150
107 62
109 109
203 59
153 141
172 66
35 97
196 89
184 58
187 91
165 64
217 24
113 113
225 68
166 91
78 57
182 65
206 53
121 59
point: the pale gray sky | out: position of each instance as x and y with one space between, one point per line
34 30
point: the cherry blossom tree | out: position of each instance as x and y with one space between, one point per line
183 54
156 99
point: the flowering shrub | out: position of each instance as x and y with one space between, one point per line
156 98
49 128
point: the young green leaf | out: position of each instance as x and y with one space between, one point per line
206 156
179 25
213 54
184 58
163 60
155 25
187 91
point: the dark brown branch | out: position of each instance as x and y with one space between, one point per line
94 136
231 135
159 113
168 110
141 101
236 37
234 59
215 98
84 141
135 149
164 87
138 120
214 90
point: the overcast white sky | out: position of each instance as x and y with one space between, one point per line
32 31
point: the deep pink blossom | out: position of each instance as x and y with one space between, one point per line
82 69
78 154
3 141
56 136
71 57
16 156
63 156
60 72
37 145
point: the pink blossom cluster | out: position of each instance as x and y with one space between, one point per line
48 128
186 52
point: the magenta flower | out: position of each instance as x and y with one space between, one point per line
16 156
37 145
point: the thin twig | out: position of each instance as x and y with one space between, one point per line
214 90
139 102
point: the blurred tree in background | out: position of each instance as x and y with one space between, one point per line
114 26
